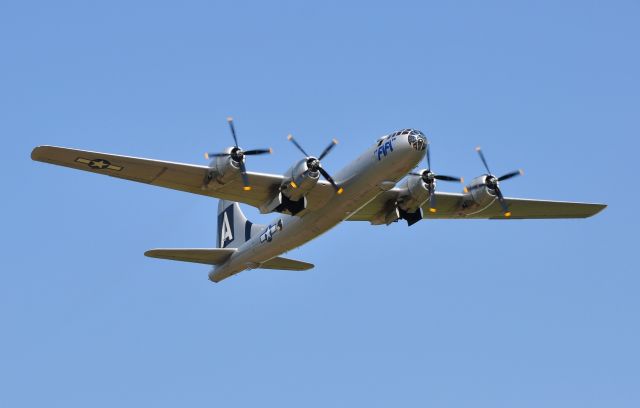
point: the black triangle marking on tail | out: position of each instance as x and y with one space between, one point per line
247 230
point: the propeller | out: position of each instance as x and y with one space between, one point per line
314 164
493 183
237 155
429 178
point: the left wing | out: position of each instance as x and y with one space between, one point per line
452 206
176 176
213 256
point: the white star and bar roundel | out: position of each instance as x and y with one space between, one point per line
99 164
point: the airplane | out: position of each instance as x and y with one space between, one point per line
309 205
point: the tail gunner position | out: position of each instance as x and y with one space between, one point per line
306 204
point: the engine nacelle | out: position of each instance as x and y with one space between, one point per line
414 193
224 168
291 199
478 194
300 180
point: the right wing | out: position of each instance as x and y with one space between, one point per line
452 206
176 176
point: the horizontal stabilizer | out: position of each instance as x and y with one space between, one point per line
286 264
198 255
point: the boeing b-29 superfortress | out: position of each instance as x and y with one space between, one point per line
307 206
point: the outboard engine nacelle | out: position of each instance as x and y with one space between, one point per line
479 193
486 188
227 165
224 168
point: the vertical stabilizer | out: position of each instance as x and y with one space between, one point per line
234 229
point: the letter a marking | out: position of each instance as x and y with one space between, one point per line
226 234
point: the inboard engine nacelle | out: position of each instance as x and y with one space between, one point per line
414 193
301 179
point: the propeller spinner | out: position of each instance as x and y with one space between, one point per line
429 178
493 183
314 164
238 155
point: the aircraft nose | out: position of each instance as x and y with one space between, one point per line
417 140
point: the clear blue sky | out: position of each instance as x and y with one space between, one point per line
446 313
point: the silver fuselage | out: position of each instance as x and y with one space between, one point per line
369 175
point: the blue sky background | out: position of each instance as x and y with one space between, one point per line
446 313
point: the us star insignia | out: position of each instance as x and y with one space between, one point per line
99 164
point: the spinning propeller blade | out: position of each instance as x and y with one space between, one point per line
233 130
290 138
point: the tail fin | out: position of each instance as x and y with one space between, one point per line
234 229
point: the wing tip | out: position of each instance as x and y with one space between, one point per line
152 253
39 153
598 208
35 153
